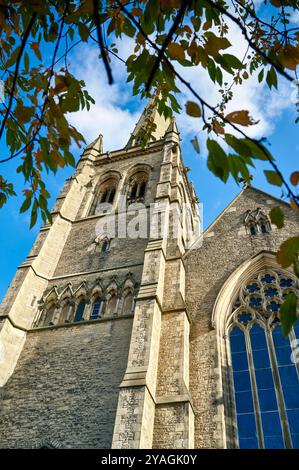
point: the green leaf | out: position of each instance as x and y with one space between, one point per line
273 178
33 219
13 58
83 31
217 160
271 78
214 44
288 313
288 250
277 217
260 76
232 61
26 204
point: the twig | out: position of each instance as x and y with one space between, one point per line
101 43
12 91
277 67
207 105
33 138
177 20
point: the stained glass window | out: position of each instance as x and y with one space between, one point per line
265 375
80 310
95 313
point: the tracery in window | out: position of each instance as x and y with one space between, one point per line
265 380
104 196
80 310
86 302
137 187
47 316
96 309
256 222
67 312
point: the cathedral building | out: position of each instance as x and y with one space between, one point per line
126 328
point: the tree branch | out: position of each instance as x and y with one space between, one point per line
33 137
12 91
207 105
225 12
168 38
101 43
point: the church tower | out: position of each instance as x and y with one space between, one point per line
94 332
124 328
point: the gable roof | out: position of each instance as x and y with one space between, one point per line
245 188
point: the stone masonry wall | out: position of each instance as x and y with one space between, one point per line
226 245
65 386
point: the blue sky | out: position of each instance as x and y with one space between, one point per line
115 114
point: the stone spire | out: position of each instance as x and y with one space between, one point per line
96 145
149 116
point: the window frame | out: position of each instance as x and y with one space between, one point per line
267 325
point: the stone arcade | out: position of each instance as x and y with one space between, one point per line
110 341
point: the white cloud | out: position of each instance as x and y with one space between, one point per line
109 115
112 113
294 16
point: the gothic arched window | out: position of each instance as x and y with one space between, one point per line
80 310
127 303
47 316
256 222
137 187
66 313
96 309
265 376
104 195
105 245
111 303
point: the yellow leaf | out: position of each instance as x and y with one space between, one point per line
240 117
176 51
23 113
61 83
217 128
294 205
214 44
294 178
193 109
136 12
35 47
140 38
289 57
207 25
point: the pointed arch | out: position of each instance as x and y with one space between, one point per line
137 182
127 301
104 192
112 298
67 310
258 409
47 315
